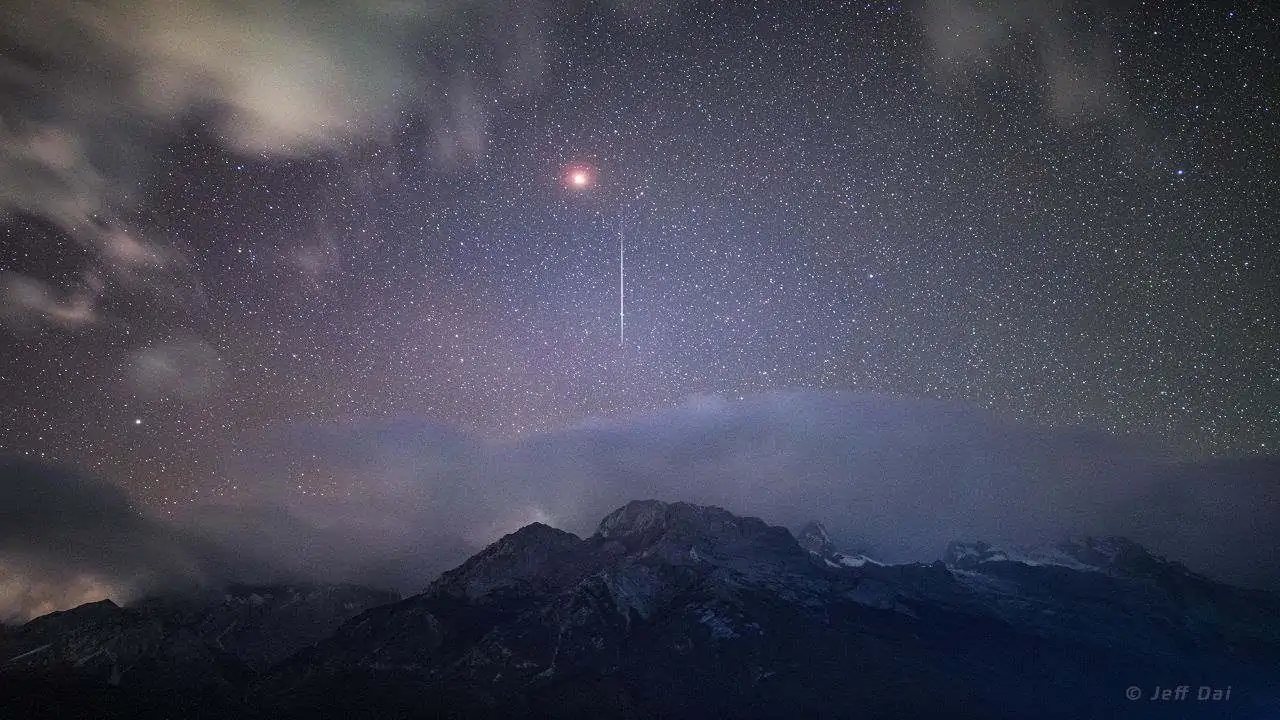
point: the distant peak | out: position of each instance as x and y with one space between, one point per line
99 608
814 538
534 554
968 555
536 529
1113 555
1102 551
531 537
103 605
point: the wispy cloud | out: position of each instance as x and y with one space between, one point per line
100 88
1062 52
25 302
187 368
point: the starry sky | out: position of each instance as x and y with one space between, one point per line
219 221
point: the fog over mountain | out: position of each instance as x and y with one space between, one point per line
894 478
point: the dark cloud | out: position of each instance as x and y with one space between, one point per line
390 503
66 540
1221 516
902 476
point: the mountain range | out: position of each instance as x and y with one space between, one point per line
675 610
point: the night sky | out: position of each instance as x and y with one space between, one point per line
221 222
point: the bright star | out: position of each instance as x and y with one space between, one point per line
579 177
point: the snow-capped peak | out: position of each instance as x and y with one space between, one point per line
1111 555
814 538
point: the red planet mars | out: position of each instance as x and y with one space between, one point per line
578 177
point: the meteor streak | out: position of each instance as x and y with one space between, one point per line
622 289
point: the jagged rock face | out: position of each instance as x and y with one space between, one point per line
680 611
117 646
969 556
683 611
813 537
679 534
557 600
215 639
1120 556
534 559
260 625
1113 592
669 530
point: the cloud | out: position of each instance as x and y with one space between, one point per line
906 476
99 89
1062 50
44 171
65 540
394 502
287 76
385 503
24 595
185 367
900 478
1221 516
106 83
26 301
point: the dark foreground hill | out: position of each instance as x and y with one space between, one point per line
682 611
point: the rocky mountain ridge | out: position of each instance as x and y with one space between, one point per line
678 610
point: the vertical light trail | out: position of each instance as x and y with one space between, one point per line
622 289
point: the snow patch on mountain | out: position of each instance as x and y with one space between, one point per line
1108 555
970 556
814 538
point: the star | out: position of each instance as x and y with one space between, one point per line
479 267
